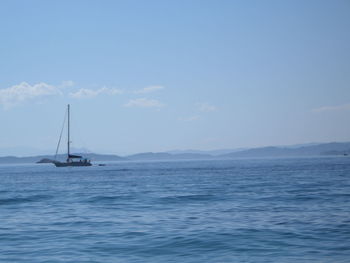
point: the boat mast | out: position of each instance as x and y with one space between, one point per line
68 132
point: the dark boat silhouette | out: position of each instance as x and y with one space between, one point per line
72 160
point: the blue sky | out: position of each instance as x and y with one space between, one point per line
164 75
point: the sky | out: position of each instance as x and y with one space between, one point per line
150 76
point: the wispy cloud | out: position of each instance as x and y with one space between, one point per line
342 107
90 93
206 107
22 92
148 89
200 108
144 103
189 118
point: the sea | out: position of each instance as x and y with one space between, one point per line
242 210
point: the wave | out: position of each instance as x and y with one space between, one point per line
21 200
108 199
187 198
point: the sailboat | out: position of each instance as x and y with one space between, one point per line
72 160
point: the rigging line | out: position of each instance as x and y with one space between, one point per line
59 140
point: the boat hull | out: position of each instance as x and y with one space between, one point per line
72 164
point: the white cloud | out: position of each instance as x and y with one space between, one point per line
332 108
90 93
190 118
23 92
144 103
205 107
148 89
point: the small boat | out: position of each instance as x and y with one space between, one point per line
72 160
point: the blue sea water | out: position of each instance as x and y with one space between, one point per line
263 210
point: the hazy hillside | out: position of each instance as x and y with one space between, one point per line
209 152
168 156
312 150
60 157
286 151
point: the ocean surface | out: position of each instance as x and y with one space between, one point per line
262 210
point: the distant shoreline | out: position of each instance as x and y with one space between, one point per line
315 150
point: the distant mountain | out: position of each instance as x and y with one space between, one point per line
60 157
30 151
322 149
168 156
45 160
300 145
209 152
311 150
301 150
